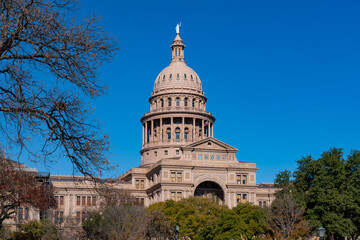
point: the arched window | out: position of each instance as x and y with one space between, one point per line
162 102
186 133
169 102
164 77
177 134
170 76
177 75
178 102
199 104
185 75
168 131
193 103
186 102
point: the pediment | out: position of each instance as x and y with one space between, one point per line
209 144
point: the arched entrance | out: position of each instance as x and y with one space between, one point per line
210 190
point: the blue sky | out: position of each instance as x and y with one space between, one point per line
281 77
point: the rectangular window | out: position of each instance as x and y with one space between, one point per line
177 152
83 216
173 196
61 217
178 196
26 213
241 179
78 200
179 177
57 200
137 184
241 198
173 177
89 201
166 151
155 153
244 198
20 214
238 198
83 202
260 204
94 201
61 200
244 179
264 203
142 184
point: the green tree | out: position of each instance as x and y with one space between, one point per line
245 221
328 190
36 230
194 215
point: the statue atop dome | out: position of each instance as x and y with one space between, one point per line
177 28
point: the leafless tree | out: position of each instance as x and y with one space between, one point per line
285 218
21 188
45 52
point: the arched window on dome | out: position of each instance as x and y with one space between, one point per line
193 103
186 102
164 77
177 75
191 77
168 132
178 102
185 75
162 103
177 134
169 102
200 104
186 134
170 75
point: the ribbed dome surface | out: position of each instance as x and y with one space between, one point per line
177 75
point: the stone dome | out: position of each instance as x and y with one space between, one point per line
177 76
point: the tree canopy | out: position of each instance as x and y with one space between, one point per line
47 57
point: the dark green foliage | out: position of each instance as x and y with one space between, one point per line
200 218
36 230
328 189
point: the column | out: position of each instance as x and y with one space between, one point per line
193 130
161 130
202 129
152 130
182 134
172 128
208 127
146 133
212 129
143 137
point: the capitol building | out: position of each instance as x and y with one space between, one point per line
180 157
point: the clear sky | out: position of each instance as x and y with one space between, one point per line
282 77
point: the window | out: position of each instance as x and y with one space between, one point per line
185 102
178 102
83 200
186 133
212 157
191 77
169 133
164 77
241 198
217 157
193 103
26 213
83 216
59 217
140 184
185 75
78 200
155 153
94 201
78 217
170 76
199 104
162 102
169 102
166 152
140 201
241 179
176 176
177 134
200 156
177 152
89 201
176 196
20 213
206 157
177 75
61 200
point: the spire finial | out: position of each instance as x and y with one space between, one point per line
177 28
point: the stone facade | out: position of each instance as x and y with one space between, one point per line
180 156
